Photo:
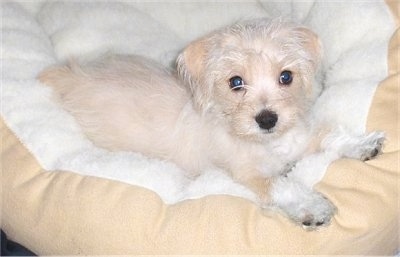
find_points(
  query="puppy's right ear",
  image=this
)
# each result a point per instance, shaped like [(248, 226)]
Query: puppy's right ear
[(191, 60), (191, 65)]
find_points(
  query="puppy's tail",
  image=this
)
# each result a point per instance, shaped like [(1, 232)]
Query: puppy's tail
[(61, 78)]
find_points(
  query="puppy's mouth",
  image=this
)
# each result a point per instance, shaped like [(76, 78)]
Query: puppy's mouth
[(268, 131), (261, 135)]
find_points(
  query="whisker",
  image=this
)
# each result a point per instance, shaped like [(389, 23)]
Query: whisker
[(237, 87)]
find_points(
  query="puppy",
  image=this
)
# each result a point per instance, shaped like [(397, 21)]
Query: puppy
[(241, 100)]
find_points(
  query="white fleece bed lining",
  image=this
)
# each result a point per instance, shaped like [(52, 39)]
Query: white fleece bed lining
[(355, 36)]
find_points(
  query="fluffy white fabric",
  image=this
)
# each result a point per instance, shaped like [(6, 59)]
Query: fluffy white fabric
[(37, 34)]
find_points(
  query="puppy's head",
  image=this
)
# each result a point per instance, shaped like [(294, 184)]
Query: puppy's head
[(256, 76)]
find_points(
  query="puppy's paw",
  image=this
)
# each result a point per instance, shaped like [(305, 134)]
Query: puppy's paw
[(367, 146), (372, 145), (361, 147), (316, 212), (304, 206)]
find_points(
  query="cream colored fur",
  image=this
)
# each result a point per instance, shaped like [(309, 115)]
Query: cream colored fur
[(194, 119)]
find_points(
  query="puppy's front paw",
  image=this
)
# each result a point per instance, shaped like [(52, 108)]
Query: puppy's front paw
[(304, 206), (372, 145), (362, 147), (318, 211), (365, 147)]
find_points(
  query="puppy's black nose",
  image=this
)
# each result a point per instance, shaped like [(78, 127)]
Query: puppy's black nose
[(266, 119)]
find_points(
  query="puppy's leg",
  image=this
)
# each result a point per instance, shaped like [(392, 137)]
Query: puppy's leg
[(261, 186), (362, 147), (335, 144), (310, 169), (294, 193), (302, 204)]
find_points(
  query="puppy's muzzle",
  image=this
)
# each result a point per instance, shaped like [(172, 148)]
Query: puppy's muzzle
[(266, 119)]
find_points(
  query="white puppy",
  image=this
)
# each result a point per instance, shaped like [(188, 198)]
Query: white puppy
[(240, 101)]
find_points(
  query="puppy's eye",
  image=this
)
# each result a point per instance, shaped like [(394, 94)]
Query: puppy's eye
[(236, 83), (286, 77)]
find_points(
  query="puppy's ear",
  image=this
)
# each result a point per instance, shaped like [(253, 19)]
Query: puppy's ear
[(311, 52), (191, 65), (312, 45), (191, 60)]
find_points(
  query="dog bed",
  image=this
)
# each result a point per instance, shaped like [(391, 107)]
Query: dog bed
[(62, 195)]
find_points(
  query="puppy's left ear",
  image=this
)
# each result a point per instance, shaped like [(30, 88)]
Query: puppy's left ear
[(311, 51), (312, 45), (191, 65)]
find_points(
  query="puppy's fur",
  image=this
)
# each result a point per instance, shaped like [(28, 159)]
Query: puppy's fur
[(257, 132)]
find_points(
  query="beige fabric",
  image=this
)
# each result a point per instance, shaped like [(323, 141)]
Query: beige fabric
[(65, 213)]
